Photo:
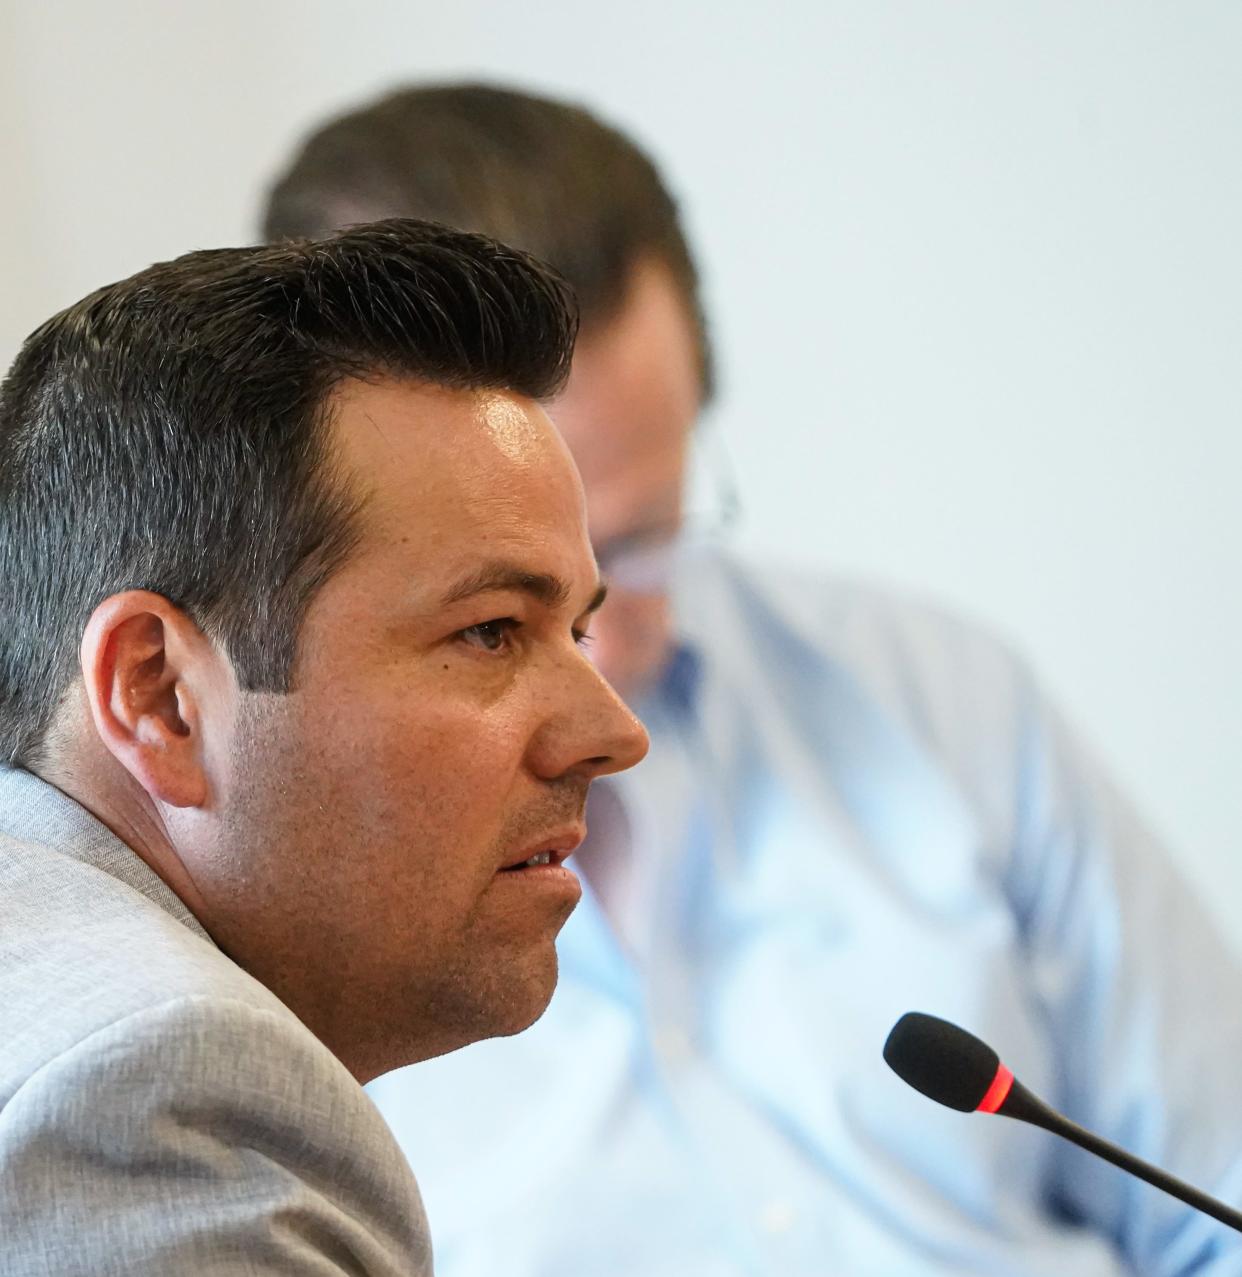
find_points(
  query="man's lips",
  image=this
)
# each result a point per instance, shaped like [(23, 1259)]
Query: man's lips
[(552, 850)]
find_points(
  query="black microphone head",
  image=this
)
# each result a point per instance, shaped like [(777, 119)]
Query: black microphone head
[(945, 1063)]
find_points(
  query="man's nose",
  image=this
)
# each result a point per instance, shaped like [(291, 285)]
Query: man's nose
[(629, 740), (594, 733)]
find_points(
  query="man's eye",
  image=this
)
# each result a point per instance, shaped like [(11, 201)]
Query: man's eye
[(583, 639), (491, 636)]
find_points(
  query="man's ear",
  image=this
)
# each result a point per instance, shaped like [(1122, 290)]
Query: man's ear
[(147, 670)]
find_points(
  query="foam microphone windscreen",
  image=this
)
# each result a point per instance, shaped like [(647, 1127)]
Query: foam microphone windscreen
[(944, 1062)]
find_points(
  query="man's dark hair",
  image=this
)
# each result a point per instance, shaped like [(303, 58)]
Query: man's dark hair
[(543, 175), (169, 433)]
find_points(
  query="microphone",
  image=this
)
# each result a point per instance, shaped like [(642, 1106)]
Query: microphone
[(955, 1068)]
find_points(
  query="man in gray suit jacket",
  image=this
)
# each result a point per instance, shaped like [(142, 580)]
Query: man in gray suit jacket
[(296, 731)]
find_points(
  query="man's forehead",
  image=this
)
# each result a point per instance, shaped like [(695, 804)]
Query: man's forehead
[(429, 457), (391, 416), (465, 491)]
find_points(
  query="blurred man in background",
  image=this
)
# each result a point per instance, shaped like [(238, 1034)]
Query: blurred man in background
[(854, 806)]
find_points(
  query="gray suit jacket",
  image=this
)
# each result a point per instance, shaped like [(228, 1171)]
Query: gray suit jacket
[(160, 1111)]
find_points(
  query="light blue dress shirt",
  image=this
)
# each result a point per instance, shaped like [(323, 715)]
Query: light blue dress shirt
[(854, 806)]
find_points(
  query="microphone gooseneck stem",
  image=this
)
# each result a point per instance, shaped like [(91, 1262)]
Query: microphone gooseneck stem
[(1025, 1107)]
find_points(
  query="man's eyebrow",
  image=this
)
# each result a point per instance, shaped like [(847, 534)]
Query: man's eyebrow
[(550, 590)]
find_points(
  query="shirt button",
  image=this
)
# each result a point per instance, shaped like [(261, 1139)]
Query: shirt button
[(777, 1217)]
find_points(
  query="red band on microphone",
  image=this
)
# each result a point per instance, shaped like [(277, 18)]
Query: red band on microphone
[(998, 1092)]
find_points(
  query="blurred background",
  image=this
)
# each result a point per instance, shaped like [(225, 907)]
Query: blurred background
[(975, 272)]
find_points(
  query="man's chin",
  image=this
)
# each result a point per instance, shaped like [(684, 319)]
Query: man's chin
[(528, 1006), (502, 1009)]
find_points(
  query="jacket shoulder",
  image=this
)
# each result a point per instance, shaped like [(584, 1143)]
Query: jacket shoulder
[(273, 1156), (81, 950), (162, 1111)]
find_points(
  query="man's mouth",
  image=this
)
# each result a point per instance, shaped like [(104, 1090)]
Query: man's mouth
[(551, 851)]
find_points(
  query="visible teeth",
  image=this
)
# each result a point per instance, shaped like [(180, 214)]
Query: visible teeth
[(539, 858)]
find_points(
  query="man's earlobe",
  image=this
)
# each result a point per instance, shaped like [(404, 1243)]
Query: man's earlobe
[(141, 669)]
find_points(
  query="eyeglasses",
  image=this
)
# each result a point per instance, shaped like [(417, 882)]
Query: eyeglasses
[(644, 563)]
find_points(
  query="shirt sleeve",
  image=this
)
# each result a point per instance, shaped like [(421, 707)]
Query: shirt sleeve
[(206, 1136), (1142, 998)]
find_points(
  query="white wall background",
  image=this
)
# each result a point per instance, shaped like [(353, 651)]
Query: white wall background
[(976, 270)]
